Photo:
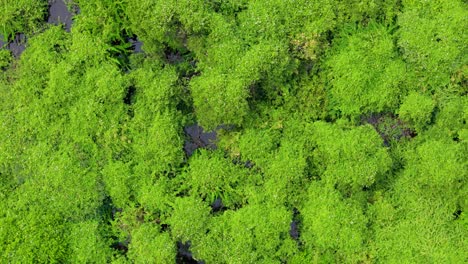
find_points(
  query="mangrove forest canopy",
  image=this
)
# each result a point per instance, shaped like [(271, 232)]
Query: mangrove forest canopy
[(234, 131)]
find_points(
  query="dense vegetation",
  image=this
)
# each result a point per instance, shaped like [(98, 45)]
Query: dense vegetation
[(342, 132)]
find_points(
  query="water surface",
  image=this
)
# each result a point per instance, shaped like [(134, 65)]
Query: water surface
[(59, 14)]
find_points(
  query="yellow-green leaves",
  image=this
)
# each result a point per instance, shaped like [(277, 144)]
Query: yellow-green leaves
[(439, 164), (23, 16), (417, 110), (154, 128), (189, 219), (149, 245), (424, 207), (433, 38), (341, 132), (350, 159), (366, 74), (152, 22), (158, 146), (334, 224), (87, 243), (257, 233), (5, 59), (212, 176)]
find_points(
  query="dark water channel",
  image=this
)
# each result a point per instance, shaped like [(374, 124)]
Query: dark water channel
[(184, 255), (136, 44), (16, 46), (198, 138), (59, 14), (389, 127)]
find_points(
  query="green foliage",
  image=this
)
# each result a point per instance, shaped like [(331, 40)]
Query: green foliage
[(105, 18), (253, 234), (158, 146), (417, 110), (433, 39), (156, 89), (423, 208), (5, 59), (189, 218), (310, 100), (151, 21), (357, 90), (428, 171), (149, 245), (43, 206), (87, 243), (257, 145), (350, 159), (286, 172), (334, 224), (211, 176), (23, 16), (157, 196), (452, 117), (41, 56), (314, 105), (118, 180), (225, 96)]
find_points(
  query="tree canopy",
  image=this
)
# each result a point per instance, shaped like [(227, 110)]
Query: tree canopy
[(234, 131)]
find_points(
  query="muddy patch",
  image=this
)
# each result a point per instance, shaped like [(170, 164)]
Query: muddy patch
[(136, 44), (248, 164), (389, 127), (294, 230), (121, 247), (59, 14), (173, 56), (16, 46), (129, 97), (457, 214), (184, 255), (217, 206), (198, 138)]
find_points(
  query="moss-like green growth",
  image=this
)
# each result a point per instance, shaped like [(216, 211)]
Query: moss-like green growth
[(334, 132), (23, 16)]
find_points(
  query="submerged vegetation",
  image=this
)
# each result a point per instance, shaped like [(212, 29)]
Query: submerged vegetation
[(338, 132)]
